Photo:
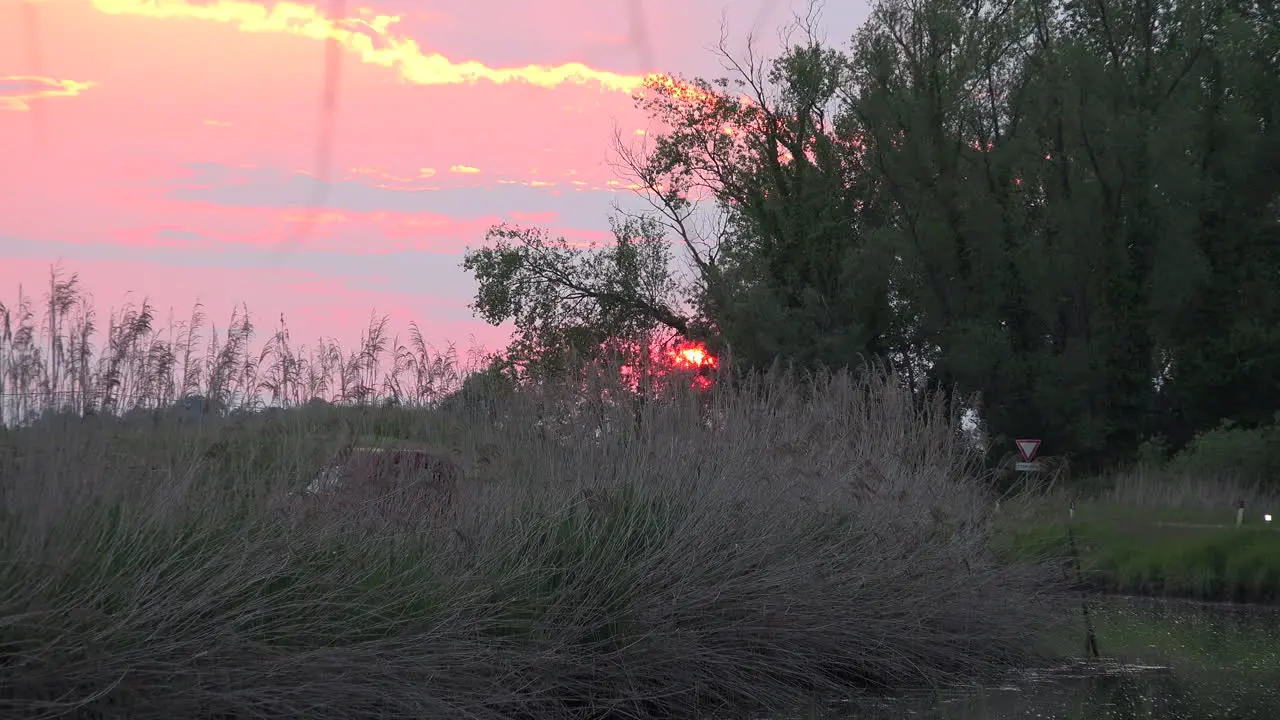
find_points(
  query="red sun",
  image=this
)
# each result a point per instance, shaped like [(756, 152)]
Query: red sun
[(692, 356), (686, 361)]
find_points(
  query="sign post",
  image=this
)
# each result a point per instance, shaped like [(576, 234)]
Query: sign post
[(1027, 450)]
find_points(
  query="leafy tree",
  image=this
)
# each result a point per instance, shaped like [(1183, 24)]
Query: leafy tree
[(1047, 168), (1221, 353), (575, 302), (791, 271), (483, 389)]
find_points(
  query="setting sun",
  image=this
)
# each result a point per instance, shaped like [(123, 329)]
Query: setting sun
[(693, 356)]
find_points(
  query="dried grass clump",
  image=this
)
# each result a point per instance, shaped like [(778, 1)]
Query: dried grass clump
[(827, 538), (379, 486)]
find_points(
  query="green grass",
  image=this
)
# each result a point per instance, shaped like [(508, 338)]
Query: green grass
[(1187, 551)]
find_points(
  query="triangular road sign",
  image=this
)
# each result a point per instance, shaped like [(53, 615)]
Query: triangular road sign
[(1027, 449)]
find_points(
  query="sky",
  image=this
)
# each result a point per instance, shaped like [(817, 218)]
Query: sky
[(168, 149)]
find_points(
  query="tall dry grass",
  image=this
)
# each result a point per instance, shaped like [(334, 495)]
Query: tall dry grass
[(1150, 487), (824, 537), (56, 356)]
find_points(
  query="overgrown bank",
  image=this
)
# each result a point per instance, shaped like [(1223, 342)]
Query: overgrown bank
[(1162, 541), (818, 541)]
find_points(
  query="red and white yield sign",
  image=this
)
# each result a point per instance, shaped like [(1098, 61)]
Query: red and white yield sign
[(1027, 449)]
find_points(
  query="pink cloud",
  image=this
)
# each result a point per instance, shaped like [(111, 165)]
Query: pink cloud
[(538, 218), (314, 306), (171, 225), (164, 88)]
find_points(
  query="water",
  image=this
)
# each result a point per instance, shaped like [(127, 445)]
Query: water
[(1164, 660)]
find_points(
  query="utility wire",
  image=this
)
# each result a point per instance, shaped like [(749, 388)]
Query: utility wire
[(640, 35), (31, 37), (323, 157)]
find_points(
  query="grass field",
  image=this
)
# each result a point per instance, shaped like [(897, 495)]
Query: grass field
[(819, 540)]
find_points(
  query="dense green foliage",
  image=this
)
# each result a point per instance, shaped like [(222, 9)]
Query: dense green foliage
[(1252, 453), (1068, 208)]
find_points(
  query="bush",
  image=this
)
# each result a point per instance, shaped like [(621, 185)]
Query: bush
[(1251, 454), (811, 544)]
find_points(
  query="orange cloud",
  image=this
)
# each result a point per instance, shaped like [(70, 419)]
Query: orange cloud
[(535, 218), (464, 170), (370, 37), (686, 92), (385, 179), (17, 90)]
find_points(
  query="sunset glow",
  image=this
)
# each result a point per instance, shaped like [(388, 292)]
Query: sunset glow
[(370, 37), (693, 357), (170, 149)]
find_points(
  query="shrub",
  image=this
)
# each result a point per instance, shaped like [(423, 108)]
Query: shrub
[(1252, 454)]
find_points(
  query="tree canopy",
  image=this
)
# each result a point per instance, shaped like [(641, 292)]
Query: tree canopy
[(1068, 208)]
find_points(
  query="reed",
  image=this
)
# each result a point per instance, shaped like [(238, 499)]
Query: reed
[(825, 537), (58, 357)]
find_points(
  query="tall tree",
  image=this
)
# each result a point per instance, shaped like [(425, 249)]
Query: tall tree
[(792, 272), (1221, 350), (1047, 180)]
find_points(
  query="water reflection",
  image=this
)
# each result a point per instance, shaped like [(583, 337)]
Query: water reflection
[(1166, 661)]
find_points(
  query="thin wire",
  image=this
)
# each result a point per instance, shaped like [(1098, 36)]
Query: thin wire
[(323, 158), (31, 37), (766, 6), (640, 36)]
